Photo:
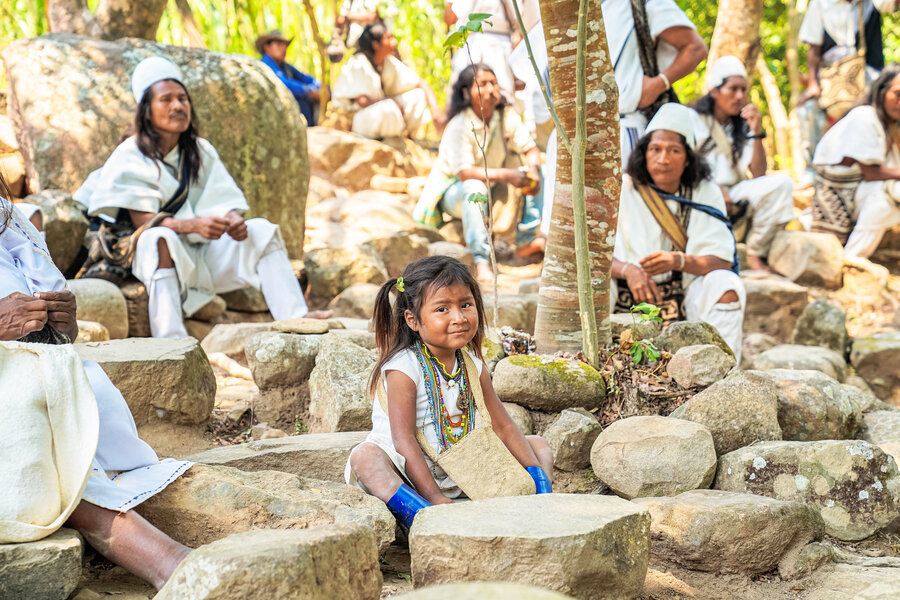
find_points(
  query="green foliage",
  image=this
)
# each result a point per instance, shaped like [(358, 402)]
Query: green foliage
[(458, 38), (647, 312), (477, 198), (644, 349)]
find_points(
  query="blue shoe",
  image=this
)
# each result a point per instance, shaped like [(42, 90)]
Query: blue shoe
[(405, 503), (541, 481)]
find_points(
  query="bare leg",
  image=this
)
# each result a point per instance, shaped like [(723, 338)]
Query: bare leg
[(543, 452), (758, 263), (375, 471), (130, 541), (165, 259)]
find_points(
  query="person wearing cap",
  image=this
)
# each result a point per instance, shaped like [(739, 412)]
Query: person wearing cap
[(730, 136), (206, 247), (674, 246), (273, 46)]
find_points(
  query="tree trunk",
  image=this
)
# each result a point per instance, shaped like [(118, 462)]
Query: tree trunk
[(189, 23), (737, 32), (72, 16), (114, 19), (777, 111), (558, 323)]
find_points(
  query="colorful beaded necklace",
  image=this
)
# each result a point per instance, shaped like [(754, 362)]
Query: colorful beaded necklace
[(447, 430)]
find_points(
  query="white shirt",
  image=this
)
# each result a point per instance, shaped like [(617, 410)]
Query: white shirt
[(839, 18), (25, 263), (723, 173), (860, 136), (358, 77)]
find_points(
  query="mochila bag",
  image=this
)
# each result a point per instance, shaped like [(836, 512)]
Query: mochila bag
[(844, 81), (834, 201), (480, 463)]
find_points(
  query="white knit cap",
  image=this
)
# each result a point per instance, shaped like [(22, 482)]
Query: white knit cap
[(674, 117), (151, 70), (722, 69)]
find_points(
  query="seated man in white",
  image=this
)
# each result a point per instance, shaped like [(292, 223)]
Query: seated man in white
[(206, 247), (674, 246), (730, 136)]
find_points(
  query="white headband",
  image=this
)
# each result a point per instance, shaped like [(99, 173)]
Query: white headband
[(674, 117), (722, 69), (151, 70)]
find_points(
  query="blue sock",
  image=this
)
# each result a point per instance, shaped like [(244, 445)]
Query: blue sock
[(405, 503), (541, 481)]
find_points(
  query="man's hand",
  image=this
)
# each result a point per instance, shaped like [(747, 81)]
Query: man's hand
[(61, 311), (211, 228), (237, 227), (642, 287), (364, 101), (753, 117), (21, 314), (651, 89), (659, 262), (517, 178)]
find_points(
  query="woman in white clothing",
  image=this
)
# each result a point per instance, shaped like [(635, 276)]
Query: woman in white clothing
[(858, 169), (674, 247)]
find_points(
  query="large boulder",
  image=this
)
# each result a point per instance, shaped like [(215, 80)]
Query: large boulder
[(317, 455), (64, 225), (481, 591), (739, 410), (690, 333), (513, 310), (350, 160), (458, 251), (640, 330), (246, 299), (815, 259), (230, 339), (48, 569), (335, 561), (210, 502), (586, 546), (101, 301), (281, 360), (774, 304), (70, 101), (356, 301), (397, 250), (881, 426), (338, 387), (802, 358), (854, 485), (753, 345), (332, 270), (161, 379), (547, 383), (654, 456), (822, 324), (570, 438), (877, 360), (728, 532), (699, 366), (813, 406)]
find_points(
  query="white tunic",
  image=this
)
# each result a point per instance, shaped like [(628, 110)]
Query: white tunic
[(838, 18)]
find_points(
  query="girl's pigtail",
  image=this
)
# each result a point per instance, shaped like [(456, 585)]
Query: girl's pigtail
[(385, 326)]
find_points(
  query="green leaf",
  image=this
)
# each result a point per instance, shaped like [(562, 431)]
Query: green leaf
[(477, 21), (457, 38), (638, 353), (477, 198)]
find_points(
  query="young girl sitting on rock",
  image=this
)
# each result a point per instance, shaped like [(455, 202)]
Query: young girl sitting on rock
[(429, 375)]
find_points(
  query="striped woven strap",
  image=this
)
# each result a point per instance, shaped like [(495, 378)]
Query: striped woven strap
[(667, 220)]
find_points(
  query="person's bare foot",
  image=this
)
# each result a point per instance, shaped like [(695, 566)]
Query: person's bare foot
[(483, 272), (319, 314), (538, 244), (758, 263)]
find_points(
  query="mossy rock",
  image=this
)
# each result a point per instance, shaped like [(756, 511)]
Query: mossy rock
[(547, 383), (690, 333)]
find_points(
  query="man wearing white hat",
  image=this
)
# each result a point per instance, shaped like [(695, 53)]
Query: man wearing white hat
[(730, 136), (674, 246), (205, 246)]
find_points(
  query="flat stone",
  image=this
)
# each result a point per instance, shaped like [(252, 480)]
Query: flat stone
[(699, 366), (91, 331), (859, 583), (302, 326), (482, 591), (101, 301), (357, 301), (161, 379), (690, 333), (318, 455), (570, 438), (802, 358), (753, 345), (48, 569), (654, 456), (281, 360), (728, 532), (774, 304), (640, 330), (877, 360), (815, 259), (360, 337), (881, 426), (335, 561), (589, 547), (338, 387), (208, 503), (853, 484), (246, 299), (230, 339), (739, 410), (549, 384), (521, 417), (822, 324)]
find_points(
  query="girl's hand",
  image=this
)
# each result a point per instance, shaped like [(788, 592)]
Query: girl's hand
[(642, 287), (439, 499)]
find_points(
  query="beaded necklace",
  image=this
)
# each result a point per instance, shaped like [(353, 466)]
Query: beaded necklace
[(447, 430)]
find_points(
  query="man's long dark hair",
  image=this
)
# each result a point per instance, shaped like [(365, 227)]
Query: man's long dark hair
[(371, 34), (696, 168), (877, 91), (460, 100), (148, 140), (740, 129)]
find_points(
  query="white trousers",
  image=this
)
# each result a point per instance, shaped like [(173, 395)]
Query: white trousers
[(385, 119), (772, 201), (877, 211)]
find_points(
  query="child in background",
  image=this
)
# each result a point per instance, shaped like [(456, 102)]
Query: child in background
[(438, 315)]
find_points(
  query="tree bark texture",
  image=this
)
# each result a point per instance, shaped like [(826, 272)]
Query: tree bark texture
[(558, 324), (737, 32), (114, 18)]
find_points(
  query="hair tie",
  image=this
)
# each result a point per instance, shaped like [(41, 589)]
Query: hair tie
[(400, 287)]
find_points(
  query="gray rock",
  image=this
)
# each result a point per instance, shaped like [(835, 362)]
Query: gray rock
[(514, 310), (397, 250), (336, 561), (531, 285), (356, 301), (727, 532), (859, 583), (332, 270), (877, 360), (654, 456), (699, 366), (800, 562), (881, 426), (458, 251), (360, 337), (854, 485), (806, 258), (690, 333), (549, 384), (339, 399), (246, 299), (101, 301), (281, 360), (774, 304), (640, 330), (317, 455), (753, 345), (48, 569), (481, 591), (570, 437), (213, 309), (802, 358), (161, 379), (521, 417), (739, 410), (865, 400), (823, 324), (64, 225), (590, 547), (230, 339)]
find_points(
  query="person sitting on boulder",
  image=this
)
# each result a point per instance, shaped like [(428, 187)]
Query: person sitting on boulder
[(432, 391), (730, 136), (32, 213), (204, 246), (381, 96), (857, 185), (674, 247), (273, 47), (478, 113), (121, 473)]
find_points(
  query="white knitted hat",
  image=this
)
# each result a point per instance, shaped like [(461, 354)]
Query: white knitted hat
[(674, 117), (722, 69), (151, 70)]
